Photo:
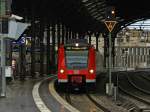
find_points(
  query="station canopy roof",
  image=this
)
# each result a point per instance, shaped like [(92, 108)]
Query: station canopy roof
[(82, 15)]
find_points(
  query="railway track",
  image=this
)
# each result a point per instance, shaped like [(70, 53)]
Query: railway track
[(97, 104), (140, 81), (67, 96), (87, 102), (137, 82), (130, 88), (146, 77), (84, 102)]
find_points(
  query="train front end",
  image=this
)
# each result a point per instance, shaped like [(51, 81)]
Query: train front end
[(76, 64)]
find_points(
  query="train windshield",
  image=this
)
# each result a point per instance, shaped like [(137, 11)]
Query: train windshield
[(77, 59)]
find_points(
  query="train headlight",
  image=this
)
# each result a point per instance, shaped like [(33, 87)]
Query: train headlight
[(61, 71), (91, 71)]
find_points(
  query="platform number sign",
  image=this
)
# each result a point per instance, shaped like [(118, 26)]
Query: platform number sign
[(23, 40), (110, 25)]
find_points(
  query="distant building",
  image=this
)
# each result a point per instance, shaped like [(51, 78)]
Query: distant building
[(132, 48)]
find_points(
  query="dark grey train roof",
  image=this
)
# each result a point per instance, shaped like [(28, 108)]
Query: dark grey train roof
[(83, 41)]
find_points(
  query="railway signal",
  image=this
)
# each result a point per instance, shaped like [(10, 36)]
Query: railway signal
[(110, 24)]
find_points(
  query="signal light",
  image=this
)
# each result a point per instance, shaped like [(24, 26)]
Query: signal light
[(110, 13)]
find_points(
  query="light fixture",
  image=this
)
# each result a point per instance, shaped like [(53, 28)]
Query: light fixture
[(16, 17), (113, 12), (77, 44)]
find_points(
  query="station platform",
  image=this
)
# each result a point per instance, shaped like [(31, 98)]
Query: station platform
[(19, 97)]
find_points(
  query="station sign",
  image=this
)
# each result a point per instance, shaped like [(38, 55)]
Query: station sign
[(16, 29), (23, 40), (20, 41), (110, 25)]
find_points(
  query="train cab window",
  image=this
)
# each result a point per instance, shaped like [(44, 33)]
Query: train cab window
[(76, 59)]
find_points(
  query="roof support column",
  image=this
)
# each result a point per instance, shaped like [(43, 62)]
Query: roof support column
[(63, 33), (80, 36), (89, 39), (22, 55), (3, 13), (106, 46), (2, 68), (67, 35), (41, 34), (113, 51), (97, 35), (33, 47), (58, 34), (48, 48), (53, 47), (71, 34), (77, 35), (89, 34), (2, 8), (74, 35), (8, 52)]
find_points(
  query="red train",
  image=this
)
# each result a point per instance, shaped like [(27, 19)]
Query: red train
[(76, 63)]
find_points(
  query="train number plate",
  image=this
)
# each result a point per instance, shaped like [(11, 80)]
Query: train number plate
[(76, 79)]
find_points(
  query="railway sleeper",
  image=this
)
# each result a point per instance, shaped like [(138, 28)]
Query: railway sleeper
[(145, 109), (133, 109), (130, 107)]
